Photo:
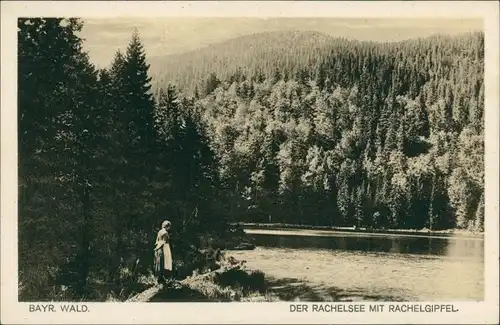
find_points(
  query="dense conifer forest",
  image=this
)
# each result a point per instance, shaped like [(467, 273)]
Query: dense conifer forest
[(322, 132)]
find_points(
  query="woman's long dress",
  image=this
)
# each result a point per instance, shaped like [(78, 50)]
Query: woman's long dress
[(163, 255)]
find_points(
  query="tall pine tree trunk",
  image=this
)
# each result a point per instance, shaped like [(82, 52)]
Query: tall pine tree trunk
[(118, 251), (84, 263)]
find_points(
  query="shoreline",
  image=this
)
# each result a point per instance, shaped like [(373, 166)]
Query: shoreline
[(235, 281), (232, 282), (449, 233)]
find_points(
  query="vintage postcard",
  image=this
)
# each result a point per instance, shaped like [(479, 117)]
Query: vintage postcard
[(249, 162)]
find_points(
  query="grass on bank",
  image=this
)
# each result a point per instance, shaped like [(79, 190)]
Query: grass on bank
[(134, 275), (232, 281)]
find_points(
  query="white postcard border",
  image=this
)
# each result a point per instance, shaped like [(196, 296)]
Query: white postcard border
[(13, 312)]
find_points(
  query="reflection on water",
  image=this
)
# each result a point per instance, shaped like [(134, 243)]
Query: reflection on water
[(366, 266), (450, 247)]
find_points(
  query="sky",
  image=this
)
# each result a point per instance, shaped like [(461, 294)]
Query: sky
[(169, 35)]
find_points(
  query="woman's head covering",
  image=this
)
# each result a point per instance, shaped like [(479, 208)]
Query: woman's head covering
[(165, 224)]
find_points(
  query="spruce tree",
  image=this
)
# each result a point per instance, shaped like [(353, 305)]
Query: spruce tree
[(60, 127), (134, 113)]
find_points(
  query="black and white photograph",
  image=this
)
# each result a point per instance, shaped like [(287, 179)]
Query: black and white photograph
[(238, 159)]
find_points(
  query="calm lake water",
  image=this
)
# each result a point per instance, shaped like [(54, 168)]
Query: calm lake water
[(325, 265)]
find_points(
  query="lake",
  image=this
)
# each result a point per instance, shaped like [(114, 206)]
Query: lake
[(309, 265)]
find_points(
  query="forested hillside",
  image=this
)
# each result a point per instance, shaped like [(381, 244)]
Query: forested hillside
[(303, 129), (376, 135)]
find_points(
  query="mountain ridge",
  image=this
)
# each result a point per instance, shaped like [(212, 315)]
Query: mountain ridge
[(247, 36), (313, 32), (262, 52), (258, 51)]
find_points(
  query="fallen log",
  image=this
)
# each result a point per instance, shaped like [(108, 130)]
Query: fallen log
[(149, 293), (243, 247)]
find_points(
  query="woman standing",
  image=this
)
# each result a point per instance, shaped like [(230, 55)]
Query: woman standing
[(163, 255)]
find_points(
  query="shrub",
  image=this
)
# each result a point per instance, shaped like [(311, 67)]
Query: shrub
[(248, 281)]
